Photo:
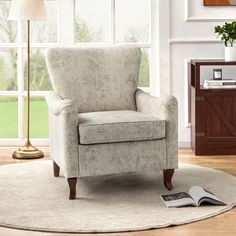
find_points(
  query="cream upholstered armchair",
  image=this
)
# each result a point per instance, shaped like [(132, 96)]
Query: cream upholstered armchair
[(100, 123)]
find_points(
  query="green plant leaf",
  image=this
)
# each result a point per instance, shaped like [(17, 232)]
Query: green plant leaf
[(227, 32)]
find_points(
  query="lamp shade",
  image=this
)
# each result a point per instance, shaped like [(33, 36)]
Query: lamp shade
[(33, 10)]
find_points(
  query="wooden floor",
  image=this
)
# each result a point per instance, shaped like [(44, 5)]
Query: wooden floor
[(222, 225)]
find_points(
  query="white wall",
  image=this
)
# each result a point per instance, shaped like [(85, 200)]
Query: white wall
[(191, 36)]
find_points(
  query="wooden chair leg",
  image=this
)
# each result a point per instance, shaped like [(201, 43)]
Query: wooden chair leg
[(72, 186), (168, 177), (56, 169)]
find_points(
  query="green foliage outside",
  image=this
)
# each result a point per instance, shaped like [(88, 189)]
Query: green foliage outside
[(8, 58), (144, 73), (39, 77), (9, 121), (3, 74), (135, 36), (8, 117), (84, 34), (39, 118)]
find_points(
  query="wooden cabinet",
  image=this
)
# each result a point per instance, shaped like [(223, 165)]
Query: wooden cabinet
[(213, 113)]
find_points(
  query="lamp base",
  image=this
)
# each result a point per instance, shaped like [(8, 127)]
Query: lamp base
[(28, 152)]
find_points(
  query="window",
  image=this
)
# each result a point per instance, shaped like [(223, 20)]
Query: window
[(116, 22), (92, 21), (13, 73), (70, 23)]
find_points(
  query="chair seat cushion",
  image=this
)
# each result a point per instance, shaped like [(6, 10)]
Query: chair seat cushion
[(118, 126)]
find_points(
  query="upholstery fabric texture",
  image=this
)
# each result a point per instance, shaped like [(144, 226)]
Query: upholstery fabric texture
[(166, 108), (63, 121), (96, 79), (119, 126), (100, 159), (99, 122)]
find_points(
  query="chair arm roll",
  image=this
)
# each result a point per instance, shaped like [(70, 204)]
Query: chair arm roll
[(58, 105)]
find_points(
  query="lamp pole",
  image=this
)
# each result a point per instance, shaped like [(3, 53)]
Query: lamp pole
[(28, 81), (28, 10)]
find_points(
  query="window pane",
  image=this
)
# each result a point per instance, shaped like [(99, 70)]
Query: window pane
[(39, 77), (38, 117), (144, 75), (44, 31), (8, 117), (92, 20), (7, 28), (132, 20), (8, 69)]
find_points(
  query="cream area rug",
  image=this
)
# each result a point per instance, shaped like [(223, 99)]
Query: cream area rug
[(31, 198)]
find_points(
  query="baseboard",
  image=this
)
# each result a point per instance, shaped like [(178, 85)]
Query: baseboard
[(184, 144)]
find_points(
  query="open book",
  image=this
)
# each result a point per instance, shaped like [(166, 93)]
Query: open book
[(195, 197)]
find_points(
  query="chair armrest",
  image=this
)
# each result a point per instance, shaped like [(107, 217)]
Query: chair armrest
[(165, 108), (57, 105), (63, 122)]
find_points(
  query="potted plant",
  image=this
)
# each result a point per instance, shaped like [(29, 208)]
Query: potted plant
[(227, 32)]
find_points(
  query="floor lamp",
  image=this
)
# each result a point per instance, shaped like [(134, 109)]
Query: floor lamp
[(28, 10)]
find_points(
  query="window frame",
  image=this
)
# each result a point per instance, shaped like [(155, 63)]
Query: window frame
[(66, 38), (21, 46), (146, 45)]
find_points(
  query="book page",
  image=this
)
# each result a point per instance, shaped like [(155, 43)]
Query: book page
[(197, 193), (178, 200)]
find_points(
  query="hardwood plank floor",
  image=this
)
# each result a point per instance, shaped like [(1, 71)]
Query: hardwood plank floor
[(220, 225)]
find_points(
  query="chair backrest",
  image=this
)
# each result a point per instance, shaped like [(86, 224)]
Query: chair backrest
[(96, 79)]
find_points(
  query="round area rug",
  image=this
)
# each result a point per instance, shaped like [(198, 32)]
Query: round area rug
[(31, 198)]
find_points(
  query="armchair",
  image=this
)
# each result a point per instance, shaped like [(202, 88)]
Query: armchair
[(100, 123)]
